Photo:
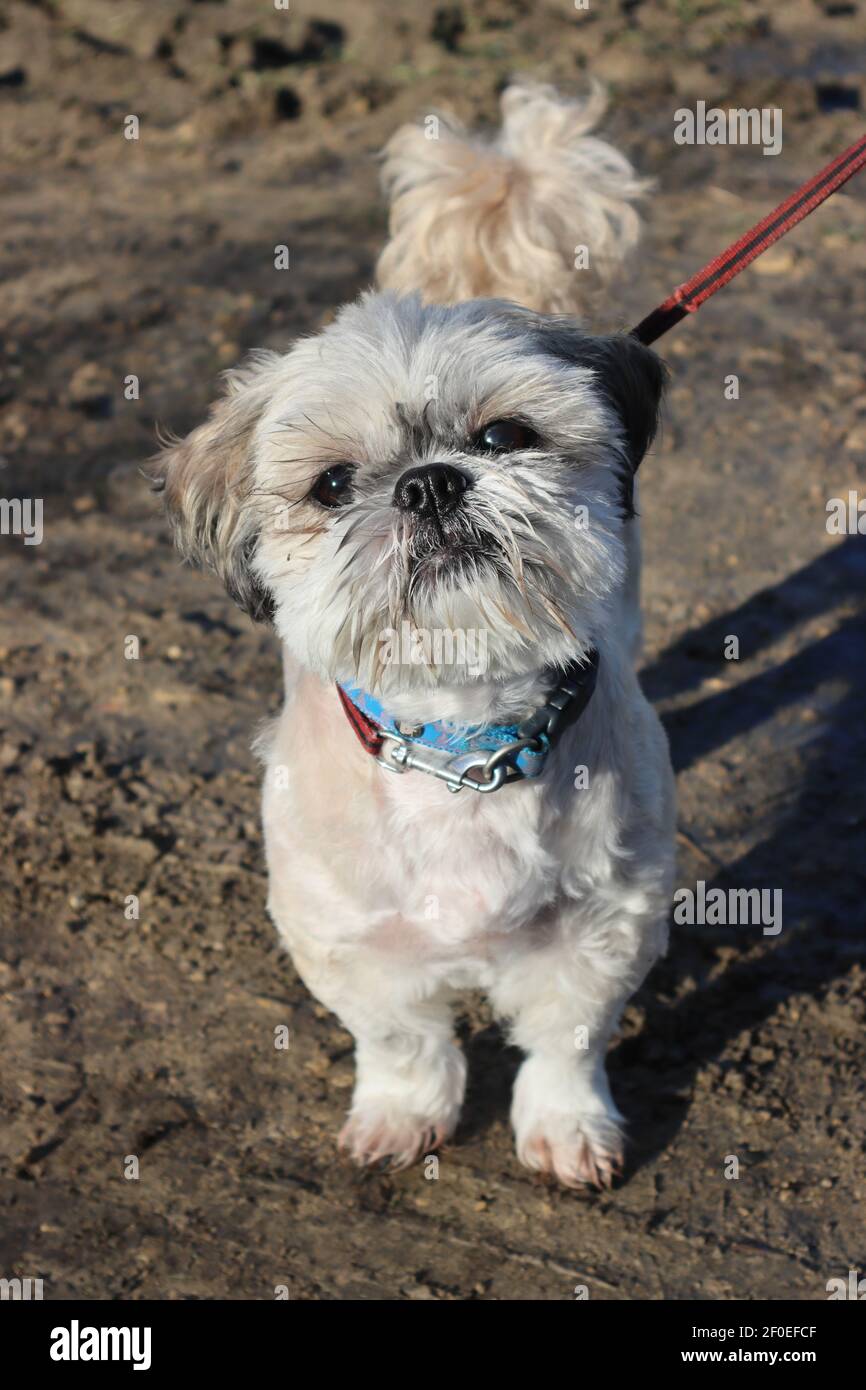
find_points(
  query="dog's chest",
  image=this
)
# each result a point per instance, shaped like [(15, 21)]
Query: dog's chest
[(358, 854), (465, 868)]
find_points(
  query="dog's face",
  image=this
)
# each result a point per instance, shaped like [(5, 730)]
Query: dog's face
[(461, 470)]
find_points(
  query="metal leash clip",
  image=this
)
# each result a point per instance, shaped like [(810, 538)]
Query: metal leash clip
[(494, 768)]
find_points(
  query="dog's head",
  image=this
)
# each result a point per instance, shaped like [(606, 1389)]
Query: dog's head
[(451, 470)]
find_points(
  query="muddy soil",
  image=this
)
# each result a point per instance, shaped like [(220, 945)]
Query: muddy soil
[(153, 1036)]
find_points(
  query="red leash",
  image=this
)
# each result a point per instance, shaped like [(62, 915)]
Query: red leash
[(688, 298)]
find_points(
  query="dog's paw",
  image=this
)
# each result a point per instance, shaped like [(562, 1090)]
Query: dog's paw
[(577, 1150), (401, 1112), (383, 1136), (566, 1124)]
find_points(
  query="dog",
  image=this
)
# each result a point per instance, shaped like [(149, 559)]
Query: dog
[(455, 454)]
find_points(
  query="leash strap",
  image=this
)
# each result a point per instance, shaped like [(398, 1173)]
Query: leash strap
[(688, 298)]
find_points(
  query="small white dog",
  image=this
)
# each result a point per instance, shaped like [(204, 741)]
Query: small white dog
[(453, 459)]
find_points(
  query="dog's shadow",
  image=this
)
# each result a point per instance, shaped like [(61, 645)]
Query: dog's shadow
[(814, 850)]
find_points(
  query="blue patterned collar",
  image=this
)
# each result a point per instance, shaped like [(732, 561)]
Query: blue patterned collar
[(482, 756)]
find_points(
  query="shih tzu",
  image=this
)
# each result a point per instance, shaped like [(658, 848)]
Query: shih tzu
[(432, 502)]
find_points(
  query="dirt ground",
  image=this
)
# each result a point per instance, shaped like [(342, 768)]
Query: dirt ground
[(155, 1037)]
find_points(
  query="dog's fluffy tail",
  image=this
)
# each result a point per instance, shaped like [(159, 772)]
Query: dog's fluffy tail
[(535, 214)]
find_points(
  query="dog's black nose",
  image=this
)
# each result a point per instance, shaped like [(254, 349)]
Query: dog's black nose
[(431, 491)]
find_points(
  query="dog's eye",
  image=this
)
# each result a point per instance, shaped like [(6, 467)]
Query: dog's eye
[(504, 436), (333, 488)]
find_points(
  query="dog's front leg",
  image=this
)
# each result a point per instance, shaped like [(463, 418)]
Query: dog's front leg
[(564, 1000), (410, 1074), (408, 1093)]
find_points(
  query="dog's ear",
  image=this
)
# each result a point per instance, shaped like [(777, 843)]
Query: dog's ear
[(207, 484), (631, 379)]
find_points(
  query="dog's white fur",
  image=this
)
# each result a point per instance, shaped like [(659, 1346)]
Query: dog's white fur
[(505, 217), (391, 893)]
